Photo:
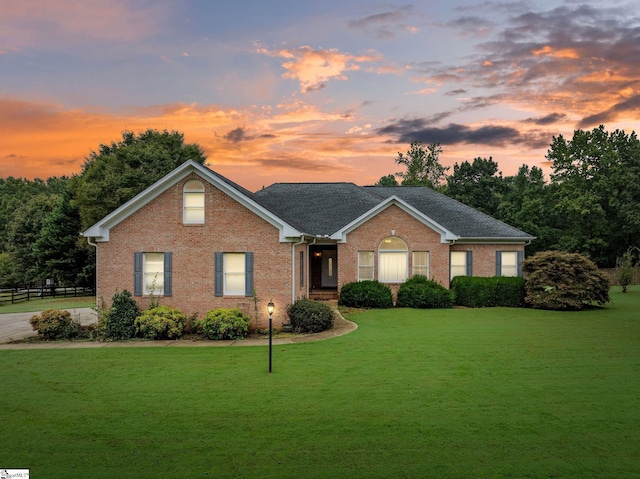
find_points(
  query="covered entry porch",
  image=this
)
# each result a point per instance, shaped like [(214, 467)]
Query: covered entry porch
[(323, 272)]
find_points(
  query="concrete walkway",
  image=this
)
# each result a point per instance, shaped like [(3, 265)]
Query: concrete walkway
[(15, 326)]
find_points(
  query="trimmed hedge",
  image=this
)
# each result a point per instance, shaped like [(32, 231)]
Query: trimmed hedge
[(366, 294), (162, 322), (309, 316), (420, 292), (225, 323), (477, 292)]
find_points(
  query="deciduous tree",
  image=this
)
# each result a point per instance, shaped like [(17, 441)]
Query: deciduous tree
[(423, 166), (597, 175), (117, 172)]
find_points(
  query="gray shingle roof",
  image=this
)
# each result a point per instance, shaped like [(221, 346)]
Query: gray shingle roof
[(316, 208), (323, 208)]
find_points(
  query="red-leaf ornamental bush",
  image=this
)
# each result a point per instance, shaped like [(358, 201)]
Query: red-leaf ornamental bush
[(54, 324), (564, 281)]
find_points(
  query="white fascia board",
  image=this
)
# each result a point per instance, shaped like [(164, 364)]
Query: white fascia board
[(100, 231), (496, 240), (446, 236)]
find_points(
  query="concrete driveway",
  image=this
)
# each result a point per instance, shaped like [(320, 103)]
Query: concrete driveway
[(14, 326)]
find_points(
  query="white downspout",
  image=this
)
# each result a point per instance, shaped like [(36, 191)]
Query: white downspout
[(293, 268), (90, 243)]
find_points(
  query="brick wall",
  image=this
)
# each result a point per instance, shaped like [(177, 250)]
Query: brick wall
[(484, 255), (229, 227), (395, 221), (367, 237)]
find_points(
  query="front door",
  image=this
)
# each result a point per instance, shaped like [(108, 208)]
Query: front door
[(330, 269)]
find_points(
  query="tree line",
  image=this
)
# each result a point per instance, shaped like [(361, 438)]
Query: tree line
[(589, 205), (41, 220)]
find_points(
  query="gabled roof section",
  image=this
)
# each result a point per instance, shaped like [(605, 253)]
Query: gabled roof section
[(467, 223), (333, 209), (100, 231), (445, 234)]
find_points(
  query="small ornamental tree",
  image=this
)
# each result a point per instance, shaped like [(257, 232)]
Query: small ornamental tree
[(624, 270), (564, 281)]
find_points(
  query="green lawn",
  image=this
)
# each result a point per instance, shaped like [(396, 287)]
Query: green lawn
[(463, 393), (48, 303)]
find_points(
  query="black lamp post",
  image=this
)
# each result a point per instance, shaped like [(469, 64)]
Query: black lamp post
[(270, 307)]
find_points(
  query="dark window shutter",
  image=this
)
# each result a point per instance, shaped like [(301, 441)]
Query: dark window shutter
[(248, 274), (498, 263), (137, 274), (218, 265), (469, 263), (520, 260), (168, 259)]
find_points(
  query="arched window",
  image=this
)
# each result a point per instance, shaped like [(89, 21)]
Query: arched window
[(393, 260), (193, 202)]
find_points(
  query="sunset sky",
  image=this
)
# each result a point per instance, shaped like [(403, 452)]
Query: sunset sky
[(296, 90)]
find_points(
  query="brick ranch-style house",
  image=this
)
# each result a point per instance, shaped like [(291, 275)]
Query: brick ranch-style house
[(198, 241)]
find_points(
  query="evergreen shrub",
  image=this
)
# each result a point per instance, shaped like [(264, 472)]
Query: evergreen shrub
[(366, 294), (420, 292), (225, 323), (477, 292), (119, 322), (307, 316), (161, 322)]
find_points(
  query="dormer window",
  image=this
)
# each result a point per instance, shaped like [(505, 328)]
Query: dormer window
[(193, 202)]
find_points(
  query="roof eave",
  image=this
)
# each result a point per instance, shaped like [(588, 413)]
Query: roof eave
[(100, 231), (446, 236)]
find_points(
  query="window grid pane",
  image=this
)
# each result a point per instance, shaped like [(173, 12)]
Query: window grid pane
[(234, 277), (421, 263), (458, 263), (509, 263), (193, 202), (153, 273), (365, 265)]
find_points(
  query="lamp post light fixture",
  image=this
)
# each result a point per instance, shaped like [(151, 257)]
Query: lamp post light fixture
[(270, 308)]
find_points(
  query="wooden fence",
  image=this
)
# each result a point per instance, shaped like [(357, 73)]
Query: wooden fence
[(11, 296)]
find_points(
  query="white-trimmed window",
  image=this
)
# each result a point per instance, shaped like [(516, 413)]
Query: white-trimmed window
[(461, 263), (420, 262), (233, 274), (234, 279), (153, 273), (365, 265), (193, 202), (393, 260), (508, 263)]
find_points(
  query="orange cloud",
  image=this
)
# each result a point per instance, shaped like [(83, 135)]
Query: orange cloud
[(291, 144), (556, 52), (313, 68)]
